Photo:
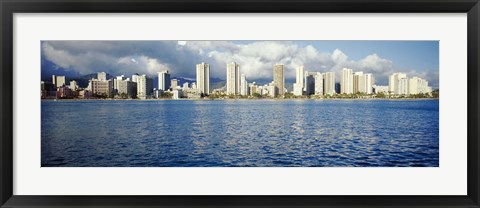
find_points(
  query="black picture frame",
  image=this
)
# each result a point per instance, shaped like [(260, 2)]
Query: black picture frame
[(9, 7)]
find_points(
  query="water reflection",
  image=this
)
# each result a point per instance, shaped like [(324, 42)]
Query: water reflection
[(258, 133)]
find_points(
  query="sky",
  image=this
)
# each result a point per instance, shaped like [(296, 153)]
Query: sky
[(256, 58)]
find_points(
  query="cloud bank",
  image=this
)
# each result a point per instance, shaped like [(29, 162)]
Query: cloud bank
[(256, 58)]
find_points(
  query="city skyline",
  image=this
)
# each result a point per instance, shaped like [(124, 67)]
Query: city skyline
[(308, 83), (381, 58)]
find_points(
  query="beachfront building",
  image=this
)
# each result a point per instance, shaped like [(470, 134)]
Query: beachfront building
[(418, 85), (299, 85), (318, 83), (310, 83), (346, 82), (126, 88), (144, 86), (233, 78), (364, 84), (252, 88), (164, 82), (203, 78), (271, 90), (101, 86), (115, 82), (279, 78), (329, 83), (396, 86), (356, 79), (380, 89), (243, 85)]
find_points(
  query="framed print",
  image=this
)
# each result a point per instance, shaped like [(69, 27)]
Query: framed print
[(246, 104)]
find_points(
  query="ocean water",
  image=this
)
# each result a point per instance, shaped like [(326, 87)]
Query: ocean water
[(240, 133)]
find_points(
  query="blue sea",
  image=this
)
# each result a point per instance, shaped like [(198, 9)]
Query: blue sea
[(240, 133)]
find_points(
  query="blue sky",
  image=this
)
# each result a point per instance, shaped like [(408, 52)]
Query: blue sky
[(256, 58)]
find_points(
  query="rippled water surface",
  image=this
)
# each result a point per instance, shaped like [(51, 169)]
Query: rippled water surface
[(260, 133)]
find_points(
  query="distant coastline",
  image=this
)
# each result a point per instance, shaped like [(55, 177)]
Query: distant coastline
[(213, 99)]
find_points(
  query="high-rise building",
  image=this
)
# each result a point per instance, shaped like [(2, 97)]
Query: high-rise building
[(300, 73), (279, 78), (58, 81), (164, 82), (144, 86), (185, 86), (368, 86), (115, 83), (418, 85), (356, 79), (203, 78), (233, 78), (272, 90), (297, 89), (299, 85), (346, 83), (127, 88), (243, 85), (101, 87), (363, 83), (403, 86), (318, 83), (329, 83), (394, 83), (309, 83), (253, 88)]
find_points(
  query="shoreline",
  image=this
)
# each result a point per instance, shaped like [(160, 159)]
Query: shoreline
[(237, 99)]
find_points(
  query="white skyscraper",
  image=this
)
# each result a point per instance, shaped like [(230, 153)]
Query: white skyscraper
[(299, 85), (164, 82), (203, 78), (403, 86), (418, 85), (365, 83), (243, 85), (318, 83), (233, 78), (346, 83), (394, 83), (144, 86), (356, 81), (329, 83)]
